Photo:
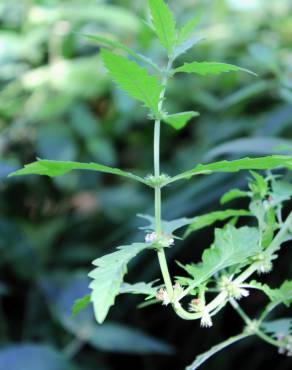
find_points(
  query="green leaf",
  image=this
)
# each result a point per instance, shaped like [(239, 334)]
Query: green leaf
[(233, 194), (209, 68), (133, 79), (59, 168), (283, 294), (80, 304), (261, 163), (281, 191), (164, 24), (219, 347), (168, 227), (231, 246), (108, 277), (278, 328), (186, 45), (117, 45), (179, 120), (139, 288), (259, 186), (188, 28), (208, 219)]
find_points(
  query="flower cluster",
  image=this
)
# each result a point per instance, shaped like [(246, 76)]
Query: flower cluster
[(163, 241), (233, 289), (199, 305), (163, 296), (265, 264), (157, 181), (286, 344)]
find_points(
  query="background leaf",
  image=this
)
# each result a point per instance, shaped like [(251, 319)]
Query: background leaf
[(33, 357), (111, 337)]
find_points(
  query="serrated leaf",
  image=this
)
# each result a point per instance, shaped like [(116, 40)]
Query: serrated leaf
[(212, 351), (164, 24), (188, 28), (208, 219), (108, 277), (209, 68), (260, 163), (283, 294), (117, 45), (179, 120), (59, 168), (233, 194), (133, 79), (80, 304), (278, 328), (231, 246)]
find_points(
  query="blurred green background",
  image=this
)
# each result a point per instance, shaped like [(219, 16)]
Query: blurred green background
[(56, 102)]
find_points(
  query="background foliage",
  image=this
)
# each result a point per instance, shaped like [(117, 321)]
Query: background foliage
[(56, 102)]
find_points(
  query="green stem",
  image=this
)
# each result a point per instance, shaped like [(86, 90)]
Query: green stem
[(157, 189), (270, 307), (240, 311), (255, 328), (267, 339), (165, 272)]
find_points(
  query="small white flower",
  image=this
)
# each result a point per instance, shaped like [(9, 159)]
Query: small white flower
[(285, 344), (206, 321), (162, 295), (241, 292), (178, 292), (150, 238), (166, 241), (233, 289), (196, 305)]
